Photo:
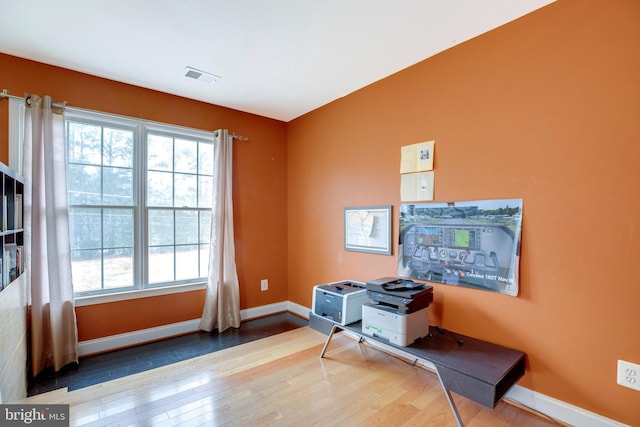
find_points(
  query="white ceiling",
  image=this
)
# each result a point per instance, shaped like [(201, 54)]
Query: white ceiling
[(276, 58)]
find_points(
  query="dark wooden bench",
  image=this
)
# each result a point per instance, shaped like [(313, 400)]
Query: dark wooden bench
[(476, 369)]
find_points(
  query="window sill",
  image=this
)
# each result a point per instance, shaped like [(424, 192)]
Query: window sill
[(145, 293)]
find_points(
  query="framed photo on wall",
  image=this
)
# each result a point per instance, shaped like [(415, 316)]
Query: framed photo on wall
[(368, 229)]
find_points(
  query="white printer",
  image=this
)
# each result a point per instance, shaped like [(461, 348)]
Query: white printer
[(340, 301), (400, 329)]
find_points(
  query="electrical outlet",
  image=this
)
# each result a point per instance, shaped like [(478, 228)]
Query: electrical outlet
[(629, 374), (264, 284)]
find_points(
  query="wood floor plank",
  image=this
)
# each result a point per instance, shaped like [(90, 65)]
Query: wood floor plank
[(281, 381)]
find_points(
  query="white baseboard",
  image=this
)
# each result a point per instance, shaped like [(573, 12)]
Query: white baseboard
[(554, 408), (558, 409), (298, 309), (278, 307), (263, 310)]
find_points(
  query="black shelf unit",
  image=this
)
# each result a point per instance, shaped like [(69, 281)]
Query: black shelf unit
[(12, 234)]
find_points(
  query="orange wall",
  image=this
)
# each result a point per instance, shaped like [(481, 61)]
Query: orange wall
[(103, 320), (546, 108), (260, 191)]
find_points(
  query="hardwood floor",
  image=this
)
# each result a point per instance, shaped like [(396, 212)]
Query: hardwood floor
[(281, 381), (116, 364)]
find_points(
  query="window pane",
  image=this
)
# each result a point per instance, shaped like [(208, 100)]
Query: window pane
[(186, 190), (205, 191), (84, 185), (161, 264), (186, 156), (85, 143), (118, 226), (159, 153), (118, 148), (118, 268), (118, 186), (159, 189), (205, 226), (85, 228), (205, 158), (187, 262), (186, 227), (86, 269), (160, 225), (204, 260)]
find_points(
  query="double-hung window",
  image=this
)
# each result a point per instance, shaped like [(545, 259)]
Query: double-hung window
[(140, 197)]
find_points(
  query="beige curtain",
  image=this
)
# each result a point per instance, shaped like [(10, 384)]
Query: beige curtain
[(222, 302), (54, 338)]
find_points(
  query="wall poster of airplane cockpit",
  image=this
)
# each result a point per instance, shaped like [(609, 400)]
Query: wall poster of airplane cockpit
[(474, 244)]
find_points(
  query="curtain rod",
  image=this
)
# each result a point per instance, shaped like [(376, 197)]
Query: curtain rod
[(5, 94), (239, 137), (27, 100)]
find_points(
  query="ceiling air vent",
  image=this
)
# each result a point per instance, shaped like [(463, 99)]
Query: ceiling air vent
[(203, 76)]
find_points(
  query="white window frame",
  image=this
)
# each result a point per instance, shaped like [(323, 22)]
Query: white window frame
[(141, 129)]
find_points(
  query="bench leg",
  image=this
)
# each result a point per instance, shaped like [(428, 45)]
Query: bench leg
[(452, 404), (326, 344), (450, 400)]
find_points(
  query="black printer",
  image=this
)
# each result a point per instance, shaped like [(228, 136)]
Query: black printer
[(404, 295)]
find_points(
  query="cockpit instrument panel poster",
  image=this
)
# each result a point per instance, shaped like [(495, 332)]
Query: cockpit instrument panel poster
[(474, 244)]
